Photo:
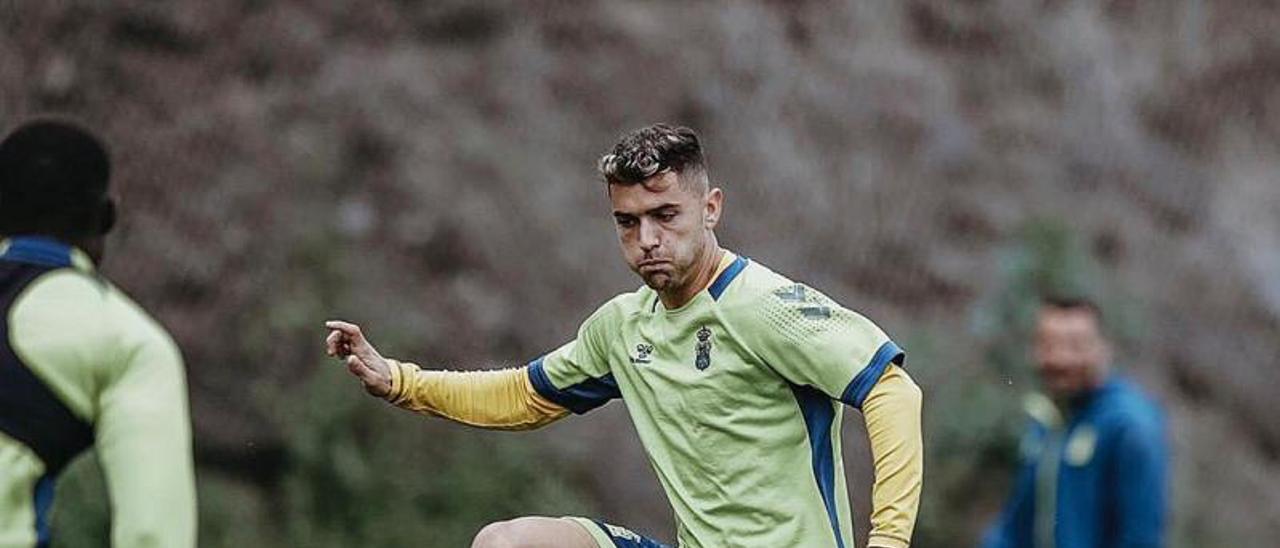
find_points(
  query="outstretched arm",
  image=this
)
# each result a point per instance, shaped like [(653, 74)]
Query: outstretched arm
[(501, 399), (892, 412)]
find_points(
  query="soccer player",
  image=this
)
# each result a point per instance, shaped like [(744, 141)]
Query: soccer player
[(1094, 458), (81, 365), (735, 378)]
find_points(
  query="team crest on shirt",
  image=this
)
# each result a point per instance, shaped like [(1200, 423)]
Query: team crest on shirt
[(703, 349), (1081, 445)]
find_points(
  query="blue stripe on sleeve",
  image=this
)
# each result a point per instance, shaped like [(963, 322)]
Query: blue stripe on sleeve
[(819, 412), (861, 385), (579, 398)]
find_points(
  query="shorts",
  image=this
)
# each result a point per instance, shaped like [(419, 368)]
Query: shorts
[(612, 536)]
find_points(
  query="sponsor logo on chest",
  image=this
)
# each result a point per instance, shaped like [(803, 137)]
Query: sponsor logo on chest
[(644, 353)]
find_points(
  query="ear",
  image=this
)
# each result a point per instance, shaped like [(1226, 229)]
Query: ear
[(1107, 352), (714, 207), (107, 216)]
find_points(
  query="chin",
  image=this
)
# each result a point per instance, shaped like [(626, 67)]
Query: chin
[(1065, 390), (657, 282)]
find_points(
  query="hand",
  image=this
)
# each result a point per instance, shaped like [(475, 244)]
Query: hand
[(345, 341)]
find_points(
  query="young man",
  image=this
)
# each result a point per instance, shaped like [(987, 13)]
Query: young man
[(734, 377), (1094, 457), (80, 364)]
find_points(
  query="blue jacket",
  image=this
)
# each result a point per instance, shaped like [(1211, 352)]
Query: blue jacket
[(1095, 478)]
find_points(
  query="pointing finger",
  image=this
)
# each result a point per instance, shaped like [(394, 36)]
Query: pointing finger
[(350, 329)]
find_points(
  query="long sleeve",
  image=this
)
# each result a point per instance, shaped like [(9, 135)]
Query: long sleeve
[(1141, 485), (892, 412), (502, 399), (144, 445)]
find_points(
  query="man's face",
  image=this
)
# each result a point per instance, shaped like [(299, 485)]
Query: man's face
[(1070, 351), (664, 227)]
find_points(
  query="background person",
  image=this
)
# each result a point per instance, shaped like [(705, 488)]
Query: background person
[(1094, 457), (81, 365)]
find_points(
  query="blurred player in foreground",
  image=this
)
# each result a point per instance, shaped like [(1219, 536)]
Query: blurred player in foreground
[(735, 378), (1094, 458), (80, 364)]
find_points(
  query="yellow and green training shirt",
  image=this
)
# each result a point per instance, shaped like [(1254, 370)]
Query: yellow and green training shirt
[(82, 366), (737, 397)]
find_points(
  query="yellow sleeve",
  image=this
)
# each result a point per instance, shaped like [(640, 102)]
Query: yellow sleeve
[(892, 412), (501, 399)]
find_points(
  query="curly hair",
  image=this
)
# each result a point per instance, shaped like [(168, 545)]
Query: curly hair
[(652, 150)]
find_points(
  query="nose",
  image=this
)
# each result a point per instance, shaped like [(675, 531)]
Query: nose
[(1052, 365), (650, 235), (1058, 361), (1049, 359)]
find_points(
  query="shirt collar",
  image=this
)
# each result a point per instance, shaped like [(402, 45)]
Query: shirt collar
[(726, 260), (44, 251)]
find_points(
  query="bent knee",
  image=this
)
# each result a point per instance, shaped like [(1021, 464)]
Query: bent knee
[(496, 535), (527, 532)]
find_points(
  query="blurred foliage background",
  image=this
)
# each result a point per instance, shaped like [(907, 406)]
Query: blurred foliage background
[(426, 169)]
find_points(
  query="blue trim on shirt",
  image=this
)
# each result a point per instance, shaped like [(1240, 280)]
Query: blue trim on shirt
[(819, 412), (579, 398), (856, 393), (43, 503), (725, 278), (38, 250), (634, 540)]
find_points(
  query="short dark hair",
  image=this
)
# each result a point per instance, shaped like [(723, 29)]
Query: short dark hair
[(53, 180), (651, 150), (1072, 302)]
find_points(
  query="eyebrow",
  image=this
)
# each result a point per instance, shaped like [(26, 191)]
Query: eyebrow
[(651, 211)]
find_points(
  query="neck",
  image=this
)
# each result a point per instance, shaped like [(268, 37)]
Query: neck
[(94, 247), (703, 271), (1100, 375), (1069, 401)]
